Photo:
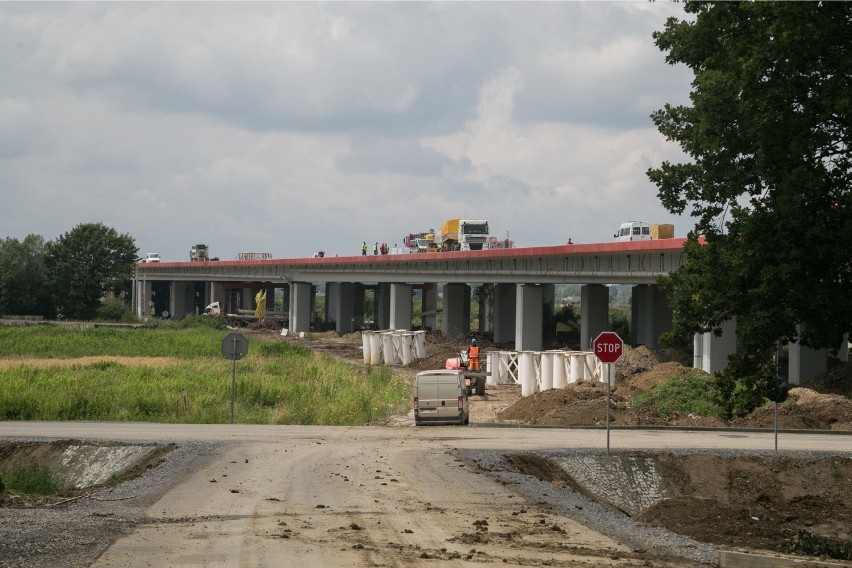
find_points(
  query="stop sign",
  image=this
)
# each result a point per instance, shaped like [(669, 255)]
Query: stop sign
[(608, 347)]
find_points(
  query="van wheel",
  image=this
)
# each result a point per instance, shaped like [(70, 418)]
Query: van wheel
[(466, 421), (480, 387)]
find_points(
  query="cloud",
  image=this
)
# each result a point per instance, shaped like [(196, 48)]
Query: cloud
[(290, 127)]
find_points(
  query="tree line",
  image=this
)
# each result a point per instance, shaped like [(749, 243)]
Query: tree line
[(67, 277)]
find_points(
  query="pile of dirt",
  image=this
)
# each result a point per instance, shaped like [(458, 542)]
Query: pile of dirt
[(758, 502)]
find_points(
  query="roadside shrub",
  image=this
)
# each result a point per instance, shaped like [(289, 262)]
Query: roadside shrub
[(692, 392), (809, 544), (114, 310), (31, 479), (202, 321)]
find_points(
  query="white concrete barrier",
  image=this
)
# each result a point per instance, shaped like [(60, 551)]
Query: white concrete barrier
[(407, 348), (420, 344), (560, 369), (527, 372), (365, 347), (546, 373), (576, 364), (375, 348), (388, 348)]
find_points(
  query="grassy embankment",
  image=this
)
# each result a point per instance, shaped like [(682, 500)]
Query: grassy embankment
[(276, 383)]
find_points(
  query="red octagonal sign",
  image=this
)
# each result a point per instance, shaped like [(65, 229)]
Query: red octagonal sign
[(608, 347)]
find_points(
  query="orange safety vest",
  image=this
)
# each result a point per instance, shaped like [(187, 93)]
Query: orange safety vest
[(473, 358)]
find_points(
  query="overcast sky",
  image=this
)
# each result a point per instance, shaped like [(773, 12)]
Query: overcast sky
[(293, 127)]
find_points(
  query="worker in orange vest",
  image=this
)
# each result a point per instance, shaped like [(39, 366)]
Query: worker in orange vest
[(473, 356)]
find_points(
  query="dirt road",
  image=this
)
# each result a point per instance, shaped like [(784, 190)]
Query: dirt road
[(318, 496)]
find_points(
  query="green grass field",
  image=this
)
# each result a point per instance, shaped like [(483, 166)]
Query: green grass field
[(276, 383)]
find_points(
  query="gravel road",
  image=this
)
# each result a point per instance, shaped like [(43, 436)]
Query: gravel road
[(316, 496)]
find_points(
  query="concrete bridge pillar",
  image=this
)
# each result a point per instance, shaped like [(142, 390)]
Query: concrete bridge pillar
[(456, 312), (805, 363), (301, 294), (651, 315), (358, 305), (400, 306), (180, 299), (332, 291), (528, 314), (142, 295), (382, 304), (343, 307), (711, 352), (594, 313), (429, 306), (504, 313)]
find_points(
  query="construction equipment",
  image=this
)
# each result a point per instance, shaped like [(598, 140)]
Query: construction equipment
[(198, 253), (463, 234), (474, 380)]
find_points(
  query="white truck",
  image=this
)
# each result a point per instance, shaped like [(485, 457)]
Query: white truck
[(641, 231), (464, 234)]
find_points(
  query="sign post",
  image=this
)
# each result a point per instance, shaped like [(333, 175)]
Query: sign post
[(608, 348), (234, 347)]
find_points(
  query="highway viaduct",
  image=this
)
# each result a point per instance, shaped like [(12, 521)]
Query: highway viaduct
[(515, 289)]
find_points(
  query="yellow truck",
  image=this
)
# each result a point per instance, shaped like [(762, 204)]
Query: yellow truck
[(463, 234)]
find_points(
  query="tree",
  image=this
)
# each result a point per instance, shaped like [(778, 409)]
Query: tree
[(86, 263), (23, 277), (768, 133)]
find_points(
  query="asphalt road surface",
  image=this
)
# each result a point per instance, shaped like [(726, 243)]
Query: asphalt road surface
[(374, 496)]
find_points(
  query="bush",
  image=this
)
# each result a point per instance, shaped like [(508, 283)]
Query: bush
[(115, 310), (692, 392), (31, 479)]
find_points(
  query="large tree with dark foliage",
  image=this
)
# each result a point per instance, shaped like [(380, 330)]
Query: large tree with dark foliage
[(86, 263), (23, 278), (768, 134)]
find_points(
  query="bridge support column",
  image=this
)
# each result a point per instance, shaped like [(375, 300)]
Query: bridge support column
[(456, 309), (710, 353), (548, 299), (485, 293), (142, 295), (343, 307), (358, 305), (429, 305), (400, 306), (805, 363), (594, 313), (332, 292), (300, 307), (651, 315), (180, 296), (528, 314), (504, 313), (382, 304)]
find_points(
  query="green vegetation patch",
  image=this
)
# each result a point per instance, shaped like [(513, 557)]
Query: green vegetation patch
[(276, 383), (691, 392), (30, 479)]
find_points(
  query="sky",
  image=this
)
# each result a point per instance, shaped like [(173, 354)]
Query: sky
[(292, 127)]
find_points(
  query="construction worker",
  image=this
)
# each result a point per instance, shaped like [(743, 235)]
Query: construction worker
[(473, 356), (364, 248), (376, 249)]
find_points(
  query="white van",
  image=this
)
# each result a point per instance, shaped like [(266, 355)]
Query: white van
[(440, 397), (152, 257), (633, 231)]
